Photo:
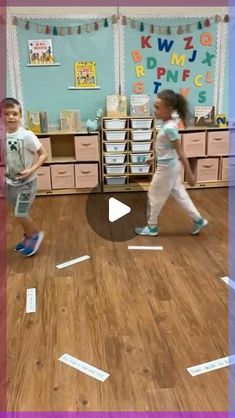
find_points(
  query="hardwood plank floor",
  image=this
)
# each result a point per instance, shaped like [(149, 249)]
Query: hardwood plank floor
[(143, 317)]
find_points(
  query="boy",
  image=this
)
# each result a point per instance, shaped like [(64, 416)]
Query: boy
[(21, 148)]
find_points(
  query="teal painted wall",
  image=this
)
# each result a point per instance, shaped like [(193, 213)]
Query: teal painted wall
[(45, 88)]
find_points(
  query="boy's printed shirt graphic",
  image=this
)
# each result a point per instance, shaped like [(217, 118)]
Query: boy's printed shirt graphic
[(21, 147), (15, 158)]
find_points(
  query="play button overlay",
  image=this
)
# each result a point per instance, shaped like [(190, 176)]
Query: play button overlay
[(114, 216), (117, 209)]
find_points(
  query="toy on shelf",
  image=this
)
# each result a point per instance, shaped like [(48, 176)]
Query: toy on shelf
[(93, 125)]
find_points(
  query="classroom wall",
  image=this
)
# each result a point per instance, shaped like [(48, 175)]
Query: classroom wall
[(50, 91)]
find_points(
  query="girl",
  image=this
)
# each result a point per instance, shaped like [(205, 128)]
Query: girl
[(167, 178)]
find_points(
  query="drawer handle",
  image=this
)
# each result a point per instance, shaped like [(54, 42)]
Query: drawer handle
[(41, 174), (87, 145), (207, 166), (196, 140), (85, 171), (62, 172), (218, 139)]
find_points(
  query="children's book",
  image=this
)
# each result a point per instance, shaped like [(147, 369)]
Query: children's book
[(40, 51), (85, 74), (140, 105), (204, 115), (116, 105), (221, 120), (70, 120), (37, 121)]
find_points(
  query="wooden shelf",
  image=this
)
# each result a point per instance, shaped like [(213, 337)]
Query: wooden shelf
[(64, 160), (54, 64), (150, 173), (61, 160), (60, 132), (208, 184), (62, 150), (130, 185), (57, 192), (83, 88)]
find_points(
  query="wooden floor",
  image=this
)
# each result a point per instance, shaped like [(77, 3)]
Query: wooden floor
[(143, 317)]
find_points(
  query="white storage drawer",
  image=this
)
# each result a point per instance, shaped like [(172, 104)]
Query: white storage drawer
[(115, 124), (141, 123), (141, 146), (140, 135), (115, 135), (115, 180), (140, 158), (111, 147), (115, 159), (137, 169), (115, 169)]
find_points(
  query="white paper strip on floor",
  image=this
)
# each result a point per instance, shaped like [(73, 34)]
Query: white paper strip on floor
[(74, 261), (30, 300), (229, 282), (211, 365), (84, 367), (145, 247)]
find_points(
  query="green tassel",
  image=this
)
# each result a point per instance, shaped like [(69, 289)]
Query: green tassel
[(199, 25), (106, 23), (55, 32), (168, 30), (141, 27)]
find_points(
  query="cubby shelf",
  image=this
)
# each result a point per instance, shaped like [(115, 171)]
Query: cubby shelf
[(73, 165), (216, 151)]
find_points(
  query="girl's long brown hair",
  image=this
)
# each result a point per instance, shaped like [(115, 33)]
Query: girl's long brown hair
[(177, 102)]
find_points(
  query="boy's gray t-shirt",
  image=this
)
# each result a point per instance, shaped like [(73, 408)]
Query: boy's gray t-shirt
[(21, 147)]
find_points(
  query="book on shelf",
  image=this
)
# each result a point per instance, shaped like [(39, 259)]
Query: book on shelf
[(116, 105), (85, 74), (70, 120), (204, 115), (40, 51), (37, 121), (140, 105), (221, 120)]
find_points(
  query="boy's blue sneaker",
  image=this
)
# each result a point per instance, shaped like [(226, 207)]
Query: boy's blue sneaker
[(33, 244), (147, 230), (22, 244), (198, 225)]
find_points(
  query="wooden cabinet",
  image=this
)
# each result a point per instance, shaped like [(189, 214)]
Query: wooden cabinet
[(73, 163), (210, 166)]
